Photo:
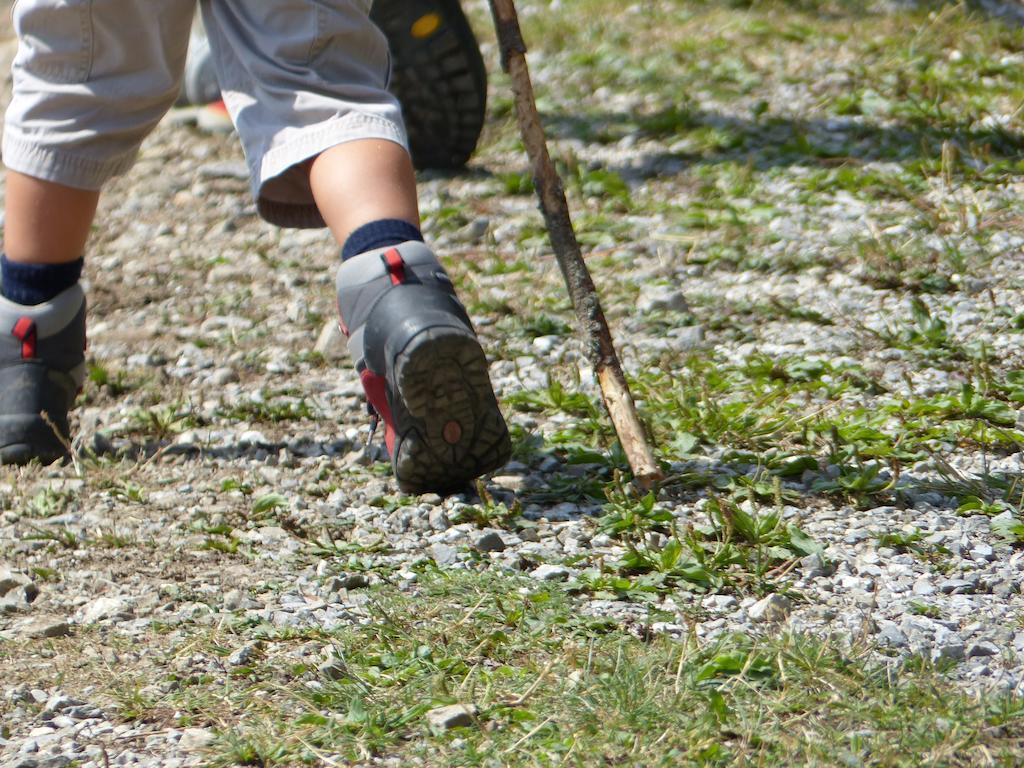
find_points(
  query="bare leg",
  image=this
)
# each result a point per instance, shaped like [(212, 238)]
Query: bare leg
[(47, 225), (46, 222), (364, 181), (353, 184)]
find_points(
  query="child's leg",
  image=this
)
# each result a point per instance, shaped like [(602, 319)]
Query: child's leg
[(90, 81), (360, 182), (420, 362), (306, 86), (42, 307), (46, 222)]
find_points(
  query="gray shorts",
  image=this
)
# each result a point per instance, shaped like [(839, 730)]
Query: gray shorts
[(93, 77)]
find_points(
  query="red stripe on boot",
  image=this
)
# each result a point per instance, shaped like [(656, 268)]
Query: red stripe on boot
[(396, 266), (25, 331)]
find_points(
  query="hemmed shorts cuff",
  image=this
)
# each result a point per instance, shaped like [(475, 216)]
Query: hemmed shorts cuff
[(302, 213), (61, 166)]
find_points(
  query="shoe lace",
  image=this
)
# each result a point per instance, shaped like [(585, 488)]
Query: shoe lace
[(374, 423)]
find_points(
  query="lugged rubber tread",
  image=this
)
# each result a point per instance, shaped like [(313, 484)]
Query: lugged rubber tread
[(423, 369), (440, 80), (440, 377)]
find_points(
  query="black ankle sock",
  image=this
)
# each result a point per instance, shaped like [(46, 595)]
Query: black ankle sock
[(32, 284), (379, 234)]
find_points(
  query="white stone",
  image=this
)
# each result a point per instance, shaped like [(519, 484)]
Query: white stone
[(454, 716), (982, 648), (332, 343), (661, 298), (489, 541), (253, 437), (103, 608), (10, 581), (772, 608), (195, 738), (41, 626), (548, 572)]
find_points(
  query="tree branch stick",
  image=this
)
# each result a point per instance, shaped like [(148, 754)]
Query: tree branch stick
[(599, 347)]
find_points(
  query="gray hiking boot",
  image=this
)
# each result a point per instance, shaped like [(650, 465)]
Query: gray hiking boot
[(42, 367), (422, 368)]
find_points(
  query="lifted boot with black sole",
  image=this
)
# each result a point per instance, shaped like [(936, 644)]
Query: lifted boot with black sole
[(422, 368)]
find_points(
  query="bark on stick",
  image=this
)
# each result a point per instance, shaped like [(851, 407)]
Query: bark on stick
[(599, 347)]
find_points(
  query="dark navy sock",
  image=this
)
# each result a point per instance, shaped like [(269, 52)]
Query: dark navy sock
[(379, 234), (32, 284)]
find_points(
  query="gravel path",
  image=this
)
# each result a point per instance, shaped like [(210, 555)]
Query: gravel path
[(224, 476)]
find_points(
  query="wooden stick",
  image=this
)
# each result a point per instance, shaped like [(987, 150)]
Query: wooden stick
[(599, 347)]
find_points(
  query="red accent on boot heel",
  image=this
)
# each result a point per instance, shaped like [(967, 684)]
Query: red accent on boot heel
[(396, 266), (25, 331), (376, 388)]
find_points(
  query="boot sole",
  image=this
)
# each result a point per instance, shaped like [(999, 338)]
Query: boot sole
[(28, 438), (448, 424), (438, 76)]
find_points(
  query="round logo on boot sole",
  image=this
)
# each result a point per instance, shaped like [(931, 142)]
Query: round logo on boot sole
[(452, 432)]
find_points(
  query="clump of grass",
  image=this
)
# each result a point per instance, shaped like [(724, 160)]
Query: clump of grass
[(489, 513), (162, 422), (50, 502), (269, 408), (548, 683), (116, 383), (734, 548)]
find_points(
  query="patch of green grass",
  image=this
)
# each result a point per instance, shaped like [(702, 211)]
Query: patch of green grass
[(1011, 530), (772, 310), (543, 325), (587, 415), (730, 546), (162, 422), (116, 383), (865, 183), (61, 535), (550, 685), (267, 505), (904, 262), (527, 446), (128, 491), (50, 502), (113, 539), (133, 704), (269, 408), (604, 184), (45, 574), (565, 487), (925, 609), (227, 545), (926, 333), (625, 514), (914, 544), (515, 183), (234, 485), (976, 505), (488, 513)]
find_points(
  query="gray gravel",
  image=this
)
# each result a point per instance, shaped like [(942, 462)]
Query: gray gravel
[(203, 337)]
